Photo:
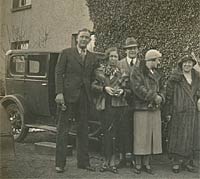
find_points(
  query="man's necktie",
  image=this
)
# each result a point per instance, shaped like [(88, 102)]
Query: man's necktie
[(131, 63), (82, 54)]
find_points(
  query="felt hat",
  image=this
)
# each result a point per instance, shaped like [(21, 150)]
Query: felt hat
[(130, 42)]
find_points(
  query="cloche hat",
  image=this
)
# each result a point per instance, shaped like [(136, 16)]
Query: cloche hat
[(152, 54)]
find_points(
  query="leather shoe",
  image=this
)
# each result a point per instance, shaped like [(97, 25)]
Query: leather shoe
[(104, 168), (176, 168), (89, 168), (113, 169), (190, 168), (59, 169), (137, 170), (148, 170)]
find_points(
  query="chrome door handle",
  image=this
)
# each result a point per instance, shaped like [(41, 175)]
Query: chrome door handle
[(44, 84)]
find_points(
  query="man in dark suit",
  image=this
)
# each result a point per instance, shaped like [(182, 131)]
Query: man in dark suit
[(126, 129), (74, 72)]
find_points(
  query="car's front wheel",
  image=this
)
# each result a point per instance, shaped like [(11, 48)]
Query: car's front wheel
[(16, 117)]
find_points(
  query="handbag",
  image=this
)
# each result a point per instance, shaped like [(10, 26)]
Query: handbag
[(100, 103)]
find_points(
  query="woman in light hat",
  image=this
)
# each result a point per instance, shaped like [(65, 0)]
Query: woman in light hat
[(146, 83), (183, 92)]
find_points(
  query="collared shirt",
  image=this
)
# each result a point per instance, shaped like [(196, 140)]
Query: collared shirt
[(130, 59), (80, 51), (152, 72)]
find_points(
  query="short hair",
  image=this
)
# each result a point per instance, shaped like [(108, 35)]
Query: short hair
[(84, 30), (111, 49)]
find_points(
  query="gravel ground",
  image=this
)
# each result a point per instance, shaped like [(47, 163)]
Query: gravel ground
[(28, 163)]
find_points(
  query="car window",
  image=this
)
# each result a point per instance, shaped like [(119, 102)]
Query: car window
[(17, 65), (37, 65)]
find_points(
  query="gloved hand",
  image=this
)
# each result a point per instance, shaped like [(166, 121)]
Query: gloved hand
[(158, 99), (168, 118)]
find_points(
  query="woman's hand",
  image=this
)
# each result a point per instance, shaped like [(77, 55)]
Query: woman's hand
[(109, 90), (168, 118), (158, 99), (119, 92)]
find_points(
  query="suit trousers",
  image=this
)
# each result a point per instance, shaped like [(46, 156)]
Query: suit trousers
[(79, 110), (125, 130)]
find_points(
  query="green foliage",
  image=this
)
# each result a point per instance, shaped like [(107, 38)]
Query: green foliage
[(171, 26)]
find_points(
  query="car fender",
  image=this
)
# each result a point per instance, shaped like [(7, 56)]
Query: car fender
[(18, 100)]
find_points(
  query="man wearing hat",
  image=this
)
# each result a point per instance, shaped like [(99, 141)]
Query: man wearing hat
[(146, 84), (125, 125), (131, 50)]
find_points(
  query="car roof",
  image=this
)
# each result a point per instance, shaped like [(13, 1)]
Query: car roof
[(28, 51), (25, 51)]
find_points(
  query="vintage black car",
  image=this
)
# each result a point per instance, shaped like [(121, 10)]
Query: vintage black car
[(30, 93)]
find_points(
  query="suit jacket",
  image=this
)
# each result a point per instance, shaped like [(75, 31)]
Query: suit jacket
[(126, 69), (73, 73)]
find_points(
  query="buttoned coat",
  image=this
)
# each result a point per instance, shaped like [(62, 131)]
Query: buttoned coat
[(72, 73)]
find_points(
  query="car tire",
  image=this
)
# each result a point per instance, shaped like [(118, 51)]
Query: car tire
[(19, 130)]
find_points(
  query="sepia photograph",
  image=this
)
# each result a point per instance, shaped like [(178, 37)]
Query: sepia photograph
[(99, 89)]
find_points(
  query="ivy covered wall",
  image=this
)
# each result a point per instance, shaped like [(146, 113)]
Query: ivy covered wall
[(171, 26)]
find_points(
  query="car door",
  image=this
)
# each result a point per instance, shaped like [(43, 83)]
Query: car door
[(15, 75), (36, 84)]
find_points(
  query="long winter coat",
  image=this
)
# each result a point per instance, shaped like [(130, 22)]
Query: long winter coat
[(147, 117), (181, 102)]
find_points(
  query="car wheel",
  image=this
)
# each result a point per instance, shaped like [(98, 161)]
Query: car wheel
[(19, 130)]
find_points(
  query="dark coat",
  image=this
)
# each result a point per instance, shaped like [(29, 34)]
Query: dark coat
[(145, 87), (72, 73), (181, 103)]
